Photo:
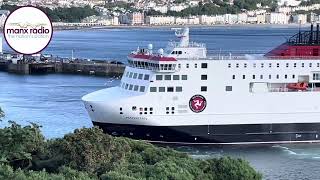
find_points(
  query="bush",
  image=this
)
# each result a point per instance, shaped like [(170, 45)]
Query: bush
[(88, 153)]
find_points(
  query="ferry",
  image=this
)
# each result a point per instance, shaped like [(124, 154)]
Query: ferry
[(182, 95)]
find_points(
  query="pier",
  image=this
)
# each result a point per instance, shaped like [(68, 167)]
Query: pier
[(26, 66)]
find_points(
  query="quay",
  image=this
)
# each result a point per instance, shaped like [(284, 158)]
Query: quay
[(39, 64)]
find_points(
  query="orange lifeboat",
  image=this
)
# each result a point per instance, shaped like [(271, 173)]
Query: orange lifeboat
[(298, 86)]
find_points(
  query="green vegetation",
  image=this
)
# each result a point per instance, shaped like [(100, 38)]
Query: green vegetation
[(73, 14), (219, 7), (88, 153)]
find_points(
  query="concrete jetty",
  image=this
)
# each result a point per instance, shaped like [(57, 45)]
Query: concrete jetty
[(98, 68)]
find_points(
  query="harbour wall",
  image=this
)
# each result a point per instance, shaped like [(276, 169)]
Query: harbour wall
[(85, 68)]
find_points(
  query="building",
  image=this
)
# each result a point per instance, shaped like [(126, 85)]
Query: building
[(299, 18), (160, 20), (204, 19), (135, 18), (277, 18), (3, 16)]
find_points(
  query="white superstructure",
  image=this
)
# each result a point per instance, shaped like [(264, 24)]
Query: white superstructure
[(182, 95)]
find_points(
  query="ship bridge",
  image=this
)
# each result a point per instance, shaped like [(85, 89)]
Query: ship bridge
[(165, 60)]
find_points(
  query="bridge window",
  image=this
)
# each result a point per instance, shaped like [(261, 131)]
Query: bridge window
[(130, 87), (127, 74), (270, 65), (136, 87), (187, 65), (278, 65), (287, 64), (175, 77), (237, 65), (140, 76), (285, 76), (293, 76), (295, 65), (162, 89), (229, 65), (243, 76), (203, 88), (131, 74), (310, 64), (167, 77), (204, 65), (169, 89), (254, 65), (233, 76), (302, 64), (153, 89), (146, 77), (262, 65), (196, 65), (204, 77), (179, 89), (142, 88), (318, 64), (135, 75), (245, 65), (184, 77), (159, 77), (127, 86), (253, 76)]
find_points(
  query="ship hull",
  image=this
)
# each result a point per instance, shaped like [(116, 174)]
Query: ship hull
[(218, 134)]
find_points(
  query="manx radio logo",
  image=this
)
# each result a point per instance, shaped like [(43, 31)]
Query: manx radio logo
[(28, 30)]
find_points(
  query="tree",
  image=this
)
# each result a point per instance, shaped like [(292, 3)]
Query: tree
[(1, 113)]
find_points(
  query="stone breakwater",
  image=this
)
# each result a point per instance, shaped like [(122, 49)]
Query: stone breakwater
[(98, 68)]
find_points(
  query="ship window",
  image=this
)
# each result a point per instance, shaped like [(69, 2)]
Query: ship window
[(204, 65), (140, 76), (136, 87), (167, 77), (180, 52), (146, 77), (287, 64), (302, 64), (253, 76), (135, 75), (169, 89), (277, 76), (187, 65), (245, 65), (229, 65), (203, 88), (270, 65), (286, 76), (127, 86), (153, 89), (261, 76), (204, 77), (254, 65), (166, 67), (142, 88), (179, 89), (173, 52), (130, 87), (131, 74), (269, 76), (316, 76), (262, 65), (184, 77), (175, 77), (233, 76), (310, 64), (237, 65), (318, 64), (295, 65), (278, 65), (167, 108), (195, 65), (243, 76), (159, 77), (170, 67), (179, 66), (293, 76), (228, 88), (162, 89)]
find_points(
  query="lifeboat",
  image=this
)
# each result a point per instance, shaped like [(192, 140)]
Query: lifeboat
[(298, 86)]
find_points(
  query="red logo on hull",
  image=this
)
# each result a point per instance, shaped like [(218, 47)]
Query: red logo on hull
[(197, 103)]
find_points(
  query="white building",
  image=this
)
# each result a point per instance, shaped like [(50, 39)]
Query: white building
[(187, 20), (299, 18), (161, 8), (230, 18), (288, 3), (3, 16), (204, 19), (277, 18), (160, 20), (242, 18), (177, 8)]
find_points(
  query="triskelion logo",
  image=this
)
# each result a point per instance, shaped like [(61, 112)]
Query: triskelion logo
[(28, 30)]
